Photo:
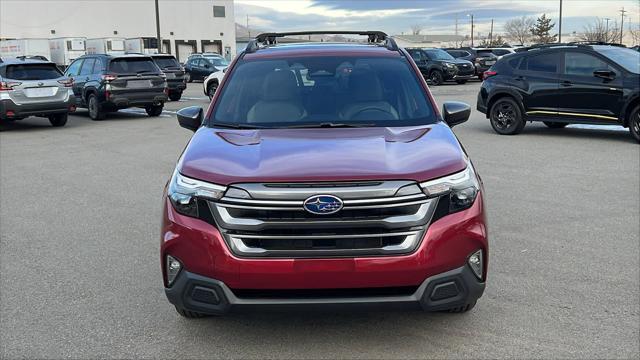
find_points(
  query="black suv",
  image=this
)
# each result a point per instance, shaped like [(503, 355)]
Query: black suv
[(562, 84), (437, 66), (176, 80), (104, 83), (199, 66), (482, 59)]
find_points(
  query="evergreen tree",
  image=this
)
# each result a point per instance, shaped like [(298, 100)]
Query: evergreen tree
[(541, 30)]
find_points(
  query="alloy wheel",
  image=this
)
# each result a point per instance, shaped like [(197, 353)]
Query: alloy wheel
[(505, 115)]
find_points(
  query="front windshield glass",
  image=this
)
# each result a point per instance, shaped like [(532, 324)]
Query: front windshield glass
[(627, 58), (323, 91), (439, 54), (217, 61)]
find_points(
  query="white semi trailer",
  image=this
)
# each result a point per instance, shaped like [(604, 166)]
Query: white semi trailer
[(143, 45), (111, 46), (65, 50), (25, 47)]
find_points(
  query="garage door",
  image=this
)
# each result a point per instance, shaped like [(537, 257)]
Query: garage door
[(184, 50), (212, 48)]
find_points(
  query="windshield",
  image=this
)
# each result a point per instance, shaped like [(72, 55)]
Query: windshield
[(217, 61), (627, 58), (133, 66), (439, 54), (32, 72), (166, 62), (323, 91)]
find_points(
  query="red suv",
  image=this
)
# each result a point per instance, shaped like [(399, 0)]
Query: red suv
[(323, 174)]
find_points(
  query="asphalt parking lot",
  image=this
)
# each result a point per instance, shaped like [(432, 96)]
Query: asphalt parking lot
[(79, 251)]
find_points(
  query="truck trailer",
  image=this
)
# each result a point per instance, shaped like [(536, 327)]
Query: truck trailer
[(66, 49), (110, 46), (25, 47)]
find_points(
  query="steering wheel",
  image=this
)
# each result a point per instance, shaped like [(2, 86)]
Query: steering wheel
[(387, 115)]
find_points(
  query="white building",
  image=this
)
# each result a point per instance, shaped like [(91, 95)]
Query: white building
[(185, 26)]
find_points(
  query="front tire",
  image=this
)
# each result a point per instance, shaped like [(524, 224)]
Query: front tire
[(189, 314), (175, 96), (58, 120), (464, 308), (634, 123), (436, 78), (95, 109), (555, 125), (506, 117), (211, 89), (154, 110)]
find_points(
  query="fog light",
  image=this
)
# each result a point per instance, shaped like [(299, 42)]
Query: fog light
[(475, 262), (173, 269)]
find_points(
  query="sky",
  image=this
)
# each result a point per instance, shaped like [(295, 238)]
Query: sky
[(436, 16)]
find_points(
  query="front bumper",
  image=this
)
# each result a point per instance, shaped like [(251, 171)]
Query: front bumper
[(206, 257), (447, 290), (36, 109)]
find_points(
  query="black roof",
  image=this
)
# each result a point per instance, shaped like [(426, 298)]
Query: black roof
[(112, 56)]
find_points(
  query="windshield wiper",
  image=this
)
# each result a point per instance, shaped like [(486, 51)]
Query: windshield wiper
[(237, 126), (329, 125)]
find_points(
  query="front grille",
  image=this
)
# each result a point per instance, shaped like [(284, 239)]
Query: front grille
[(378, 218)]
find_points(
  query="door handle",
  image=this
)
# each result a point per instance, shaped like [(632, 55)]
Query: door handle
[(520, 78), (566, 83)]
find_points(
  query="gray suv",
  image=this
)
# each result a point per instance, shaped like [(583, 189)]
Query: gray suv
[(34, 88)]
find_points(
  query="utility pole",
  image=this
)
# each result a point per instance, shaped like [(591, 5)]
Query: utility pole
[(606, 31), (249, 31), (491, 34), (456, 30), (622, 11), (471, 15), (560, 24), (158, 28)]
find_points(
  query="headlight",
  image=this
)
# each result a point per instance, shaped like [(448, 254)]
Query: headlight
[(461, 188), (449, 65), (184, 193)]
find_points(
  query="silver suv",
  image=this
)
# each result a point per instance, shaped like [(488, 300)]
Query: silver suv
[(34, 88)]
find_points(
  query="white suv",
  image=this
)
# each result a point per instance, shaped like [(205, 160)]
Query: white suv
[(211, 82)]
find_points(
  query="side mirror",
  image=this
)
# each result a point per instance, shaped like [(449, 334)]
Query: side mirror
[(207, 66), (224, 70), (190, 117), (455, 113), (604, 74)]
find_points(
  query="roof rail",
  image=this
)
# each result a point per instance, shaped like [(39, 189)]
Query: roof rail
[(573, 43), (272, 38)]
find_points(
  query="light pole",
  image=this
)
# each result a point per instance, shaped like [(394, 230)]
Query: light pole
[(560, 24), (158, 28), (471, 15), (622, 23), (606, 31)]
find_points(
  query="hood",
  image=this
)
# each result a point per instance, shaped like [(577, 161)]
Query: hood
[(308, 155)]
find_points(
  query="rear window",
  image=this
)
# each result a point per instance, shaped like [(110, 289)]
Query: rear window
[(166, 62), (484, 53), (32, 72), (217, 61), (310, 91), (132, 66)]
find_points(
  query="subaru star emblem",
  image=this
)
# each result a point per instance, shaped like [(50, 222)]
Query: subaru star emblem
[(323, 204)]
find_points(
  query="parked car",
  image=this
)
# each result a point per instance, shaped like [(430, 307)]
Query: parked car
[(439, 66), (211, 83), (563, 84), (174, 72), (34, 88), (482, 59), (107, 83), (323, 175), (500, 52), (198, 67)]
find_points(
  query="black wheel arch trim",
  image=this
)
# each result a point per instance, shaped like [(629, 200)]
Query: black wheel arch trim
[(493, 96), (629, 106)]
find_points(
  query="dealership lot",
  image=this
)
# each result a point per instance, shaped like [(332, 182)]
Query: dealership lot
[(79, 258)]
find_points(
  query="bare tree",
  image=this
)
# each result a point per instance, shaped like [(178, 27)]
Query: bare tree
[(416, 29), (599, 30), (519, 29), (634, 32)]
